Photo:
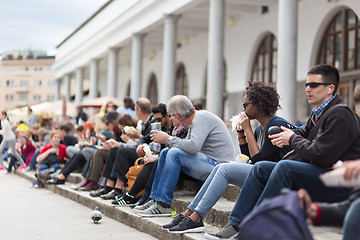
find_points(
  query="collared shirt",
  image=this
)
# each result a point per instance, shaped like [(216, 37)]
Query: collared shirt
[(318, 111)]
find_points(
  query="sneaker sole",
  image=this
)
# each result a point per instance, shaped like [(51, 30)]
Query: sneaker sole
[(211, 237), (154, 215), (191, 230)]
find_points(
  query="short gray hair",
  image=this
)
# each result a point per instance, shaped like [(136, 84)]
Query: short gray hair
[(181, 105)]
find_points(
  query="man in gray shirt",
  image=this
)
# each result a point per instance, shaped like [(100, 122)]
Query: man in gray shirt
[(208, 143)]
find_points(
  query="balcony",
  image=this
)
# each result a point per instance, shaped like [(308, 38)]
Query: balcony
[(20, 103), (21, 89)]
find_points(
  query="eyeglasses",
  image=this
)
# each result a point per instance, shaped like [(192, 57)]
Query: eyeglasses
[(158, 119), (315, 84), (245, 104)]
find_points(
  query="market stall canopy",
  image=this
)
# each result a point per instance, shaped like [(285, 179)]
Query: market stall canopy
[(45, 110), (100, 101)]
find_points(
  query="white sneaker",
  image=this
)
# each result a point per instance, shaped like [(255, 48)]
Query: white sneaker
[(144, 206)]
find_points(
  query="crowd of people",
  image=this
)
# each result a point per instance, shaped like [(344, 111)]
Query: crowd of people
[(178, 140)]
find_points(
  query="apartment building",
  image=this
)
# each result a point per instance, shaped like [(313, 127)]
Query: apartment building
[(26, 80)]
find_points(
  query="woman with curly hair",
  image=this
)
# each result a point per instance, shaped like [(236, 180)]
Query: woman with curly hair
[(261, 102)]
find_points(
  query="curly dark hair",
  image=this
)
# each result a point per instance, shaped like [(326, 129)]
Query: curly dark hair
[(264, 97)]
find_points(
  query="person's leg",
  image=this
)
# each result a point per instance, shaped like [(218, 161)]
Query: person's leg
[(15, 153), (71, 151), (251, 191), (197, 165), (141, 179), (73, 164), (125, 158), (158, 173), (110, 163), (351, 222), (233, 173), (98, 160), (2, 148), (32, 165), (295, 175), (11, 164)]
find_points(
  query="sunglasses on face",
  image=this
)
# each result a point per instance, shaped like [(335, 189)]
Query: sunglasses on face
[(315, 84), (158, 119), (245, 104)]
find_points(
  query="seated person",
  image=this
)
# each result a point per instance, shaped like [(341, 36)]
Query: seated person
[(260, 103), (345, 213), (67, 137), (26, 148), (207, 144), (331, 133)]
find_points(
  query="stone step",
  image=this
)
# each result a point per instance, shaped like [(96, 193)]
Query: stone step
[(216, 218)]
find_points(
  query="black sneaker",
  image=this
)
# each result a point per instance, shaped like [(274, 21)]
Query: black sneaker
[(100, 192), (176, 220), (123, 201), (187, 225)]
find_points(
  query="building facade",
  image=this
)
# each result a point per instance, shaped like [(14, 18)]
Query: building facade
[(26, 80), (209, 50)]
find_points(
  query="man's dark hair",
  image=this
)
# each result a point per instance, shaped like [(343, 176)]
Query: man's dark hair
[(264, 97), (329, 74), (110, 117), (160, 108), (65, 127), (129, 103)]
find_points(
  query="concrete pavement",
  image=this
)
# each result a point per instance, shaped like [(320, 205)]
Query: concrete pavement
[(36, 214)]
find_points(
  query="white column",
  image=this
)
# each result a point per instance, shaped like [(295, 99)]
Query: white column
[(287, 54), (169, 58), (136, 65), (112, 72), (57, 89), (67, 87), (215, 68), (93, 79), (78, 86)]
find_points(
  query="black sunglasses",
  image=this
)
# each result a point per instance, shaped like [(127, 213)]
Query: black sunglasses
[(245, 104), (158, 119), (315, 84)]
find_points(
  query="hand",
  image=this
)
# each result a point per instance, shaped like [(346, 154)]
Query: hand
[(134, 133), (140, 150), (53, 150), (125, 137), (352, 170), (101, 137), (244, 122), (159, 136), (113, 143), (106, 145), (150, 158), (305, 201), (281, 139)]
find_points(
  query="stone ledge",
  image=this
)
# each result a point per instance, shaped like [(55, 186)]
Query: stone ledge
[(217, 217)]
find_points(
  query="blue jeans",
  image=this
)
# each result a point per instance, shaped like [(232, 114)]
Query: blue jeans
[(266, 179), (13, 161), (216, 184), (32, 165), (170, 163), (351, 222), (54, 166)]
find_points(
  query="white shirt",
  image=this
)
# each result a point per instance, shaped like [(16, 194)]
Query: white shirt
[(6, 130)]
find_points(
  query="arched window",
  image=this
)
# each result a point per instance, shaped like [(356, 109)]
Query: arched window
[(152, 90), (340, 47), (181, 84), (264, 68)]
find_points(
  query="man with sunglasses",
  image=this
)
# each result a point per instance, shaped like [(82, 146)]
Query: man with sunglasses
[(337, 138), (207, 143)]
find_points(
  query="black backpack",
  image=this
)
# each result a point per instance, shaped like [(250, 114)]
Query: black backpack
[(278, 218)]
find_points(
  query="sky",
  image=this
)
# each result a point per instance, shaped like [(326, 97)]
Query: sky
[(41, 24)]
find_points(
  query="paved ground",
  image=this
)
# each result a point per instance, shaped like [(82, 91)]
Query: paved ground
[(36, 214)]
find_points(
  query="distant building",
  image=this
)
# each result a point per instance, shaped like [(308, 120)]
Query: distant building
[(26, 79)]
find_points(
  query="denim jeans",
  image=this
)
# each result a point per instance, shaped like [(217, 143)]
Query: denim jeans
[(266, 179), (351, 222), (32, 165), (216, 184), (170, 163), (12, 162)]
